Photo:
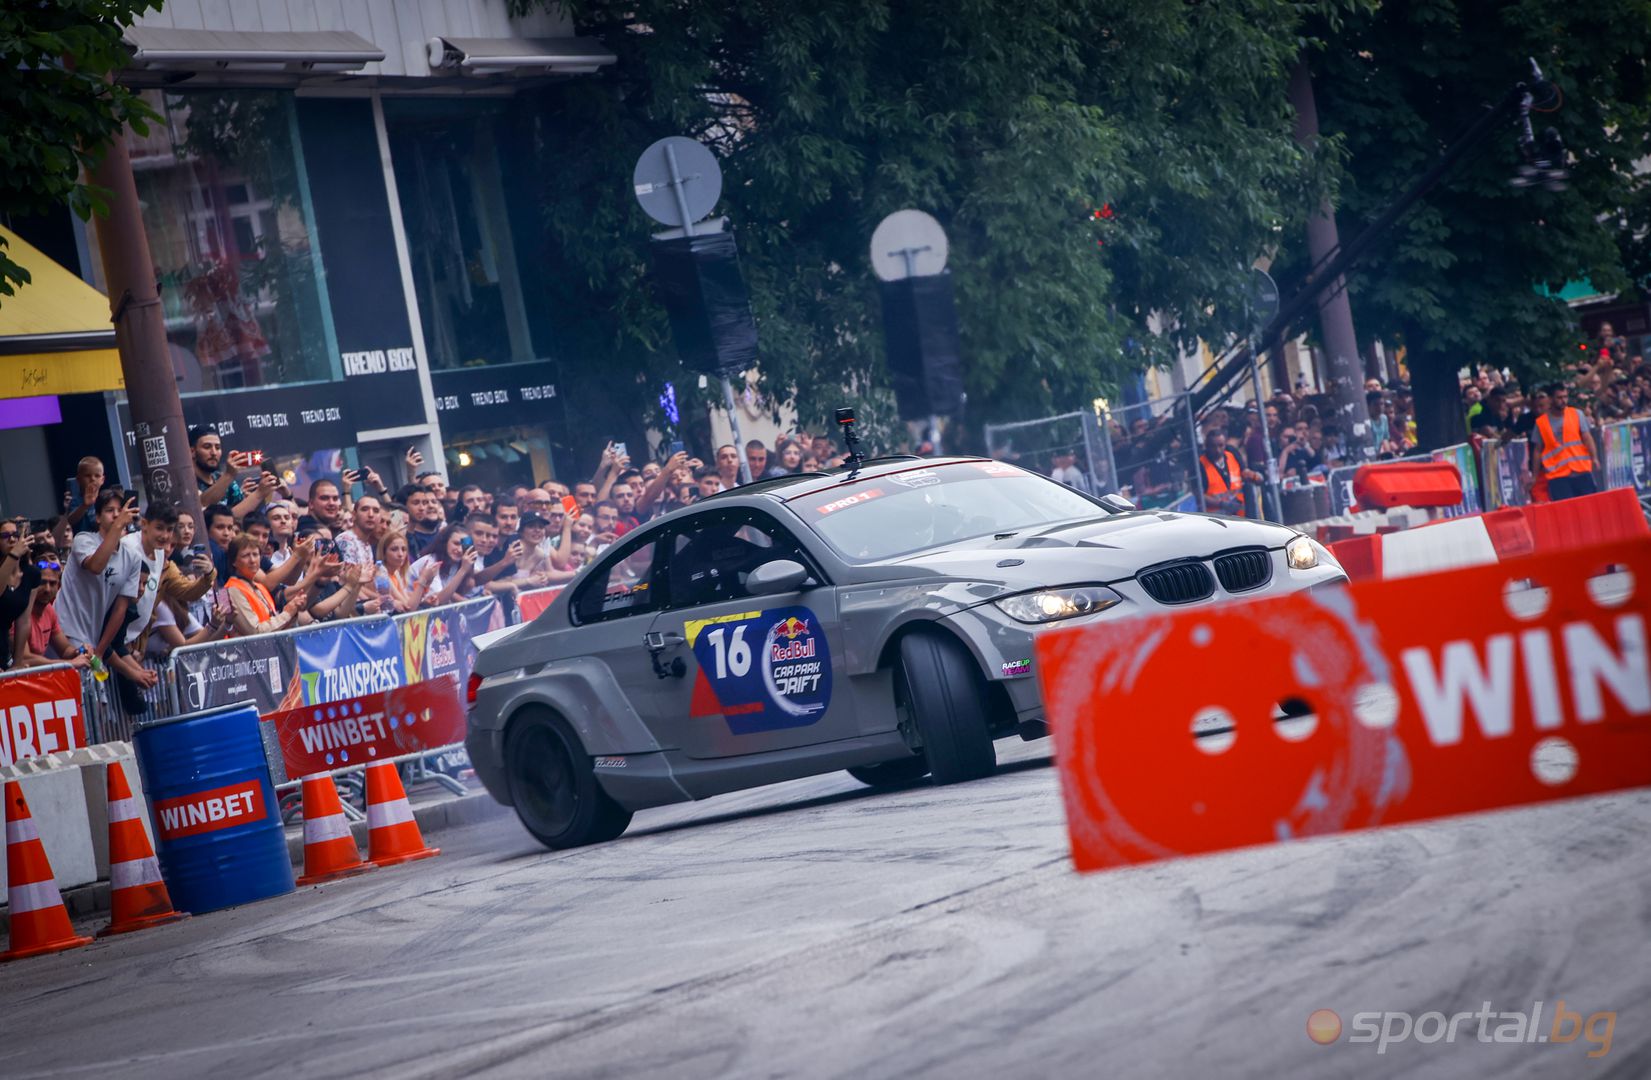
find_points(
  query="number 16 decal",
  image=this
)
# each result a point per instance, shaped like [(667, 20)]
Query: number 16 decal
[(762, 670)]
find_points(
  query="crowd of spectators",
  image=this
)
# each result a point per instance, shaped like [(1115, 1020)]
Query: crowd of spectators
[(109, 585), (1607, 381)]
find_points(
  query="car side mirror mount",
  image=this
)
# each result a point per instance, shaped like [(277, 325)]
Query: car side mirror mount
[(1117, 503), (776, 576)]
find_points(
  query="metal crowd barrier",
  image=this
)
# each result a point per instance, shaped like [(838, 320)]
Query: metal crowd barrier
[(175, 699)]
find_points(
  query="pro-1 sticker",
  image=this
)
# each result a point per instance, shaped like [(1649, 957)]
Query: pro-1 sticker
[(762, 670)]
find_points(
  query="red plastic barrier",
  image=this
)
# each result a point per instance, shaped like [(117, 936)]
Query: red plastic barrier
[(1360, 556), (1413, 699), (1522, 530), (1407, 483), (1587, 519)]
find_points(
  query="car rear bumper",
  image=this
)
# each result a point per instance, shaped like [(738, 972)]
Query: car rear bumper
[(486, 750)]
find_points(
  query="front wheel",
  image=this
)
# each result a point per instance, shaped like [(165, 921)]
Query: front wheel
[(554, 788), (939, 682), (888, 774)]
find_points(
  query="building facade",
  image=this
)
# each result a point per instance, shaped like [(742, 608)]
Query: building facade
[(338, 206)]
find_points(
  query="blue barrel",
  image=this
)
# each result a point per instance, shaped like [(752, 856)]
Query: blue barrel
[(217, 820)]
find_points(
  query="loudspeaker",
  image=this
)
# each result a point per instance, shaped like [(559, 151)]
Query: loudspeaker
[(920, 335), (700, 284)]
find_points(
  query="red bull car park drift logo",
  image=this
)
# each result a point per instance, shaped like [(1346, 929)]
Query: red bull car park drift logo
[(784, 682)]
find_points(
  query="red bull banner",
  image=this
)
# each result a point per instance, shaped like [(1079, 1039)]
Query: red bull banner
[(40, 713), (373, 727), (1381, 703)]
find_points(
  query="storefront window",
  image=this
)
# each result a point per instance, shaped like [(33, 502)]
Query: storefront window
[(450, 156), (225, 210)]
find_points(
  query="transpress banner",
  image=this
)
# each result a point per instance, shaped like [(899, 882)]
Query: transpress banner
[(348, 660)]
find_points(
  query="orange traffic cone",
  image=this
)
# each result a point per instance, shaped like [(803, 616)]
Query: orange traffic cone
[(39, 921), (329, 849), (137, 895), (392, 834)]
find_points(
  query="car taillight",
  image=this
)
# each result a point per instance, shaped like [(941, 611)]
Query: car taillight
[(471, 687)]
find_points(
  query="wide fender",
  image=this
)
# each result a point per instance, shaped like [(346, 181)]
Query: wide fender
[(873, 615), (582, 691)]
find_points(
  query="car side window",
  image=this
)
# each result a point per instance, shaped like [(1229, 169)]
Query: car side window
[(624, 584), (709, 556)]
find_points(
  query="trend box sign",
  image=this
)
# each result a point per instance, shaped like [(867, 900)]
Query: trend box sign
[(762, 670), (39, 714), (1332, 711), (347, 661), (374, 727)]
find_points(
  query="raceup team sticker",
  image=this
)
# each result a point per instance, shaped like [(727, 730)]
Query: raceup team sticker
[(762, 670)]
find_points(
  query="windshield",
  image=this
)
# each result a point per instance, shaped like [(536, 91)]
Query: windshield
[(887, 516)]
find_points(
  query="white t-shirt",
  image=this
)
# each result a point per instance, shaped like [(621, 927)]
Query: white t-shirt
[(84, 599), (151, 585)]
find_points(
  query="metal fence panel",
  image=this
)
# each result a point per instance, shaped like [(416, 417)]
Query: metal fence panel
[(1156, 451), (1034, 445)]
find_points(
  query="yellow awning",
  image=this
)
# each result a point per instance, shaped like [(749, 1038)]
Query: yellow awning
[(55, 335)]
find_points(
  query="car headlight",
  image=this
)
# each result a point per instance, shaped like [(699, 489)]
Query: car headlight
[(1049, 605), (1303, 553)]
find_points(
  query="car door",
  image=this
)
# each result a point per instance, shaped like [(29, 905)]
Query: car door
[(612, 610), (758, 672)]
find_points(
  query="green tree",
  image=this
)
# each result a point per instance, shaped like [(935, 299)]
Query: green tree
[(1457, 282), (60, 109), (1012, 124)]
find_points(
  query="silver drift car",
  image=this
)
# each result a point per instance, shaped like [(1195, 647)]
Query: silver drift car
[(878, 620)]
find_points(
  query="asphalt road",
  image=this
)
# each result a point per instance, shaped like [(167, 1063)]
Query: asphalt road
[(820, 929)]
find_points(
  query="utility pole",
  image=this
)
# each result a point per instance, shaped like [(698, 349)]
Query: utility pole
[(164, 460), (1346, 367)]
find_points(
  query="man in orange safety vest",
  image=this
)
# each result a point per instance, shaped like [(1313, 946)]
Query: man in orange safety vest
[(1223, 476), (1562, 443)]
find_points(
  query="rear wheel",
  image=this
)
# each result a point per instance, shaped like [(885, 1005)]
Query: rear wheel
[(941, 686), (891, 773), (553, 787)]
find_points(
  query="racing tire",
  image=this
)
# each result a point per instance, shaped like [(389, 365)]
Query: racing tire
[(554, 788), (940, 683), (890, 774)]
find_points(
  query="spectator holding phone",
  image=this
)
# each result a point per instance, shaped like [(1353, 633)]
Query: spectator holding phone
[(97, 569), (218, 484), (445, 569)]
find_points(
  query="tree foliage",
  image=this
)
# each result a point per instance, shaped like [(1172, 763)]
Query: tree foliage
[(1012, 124), (1457, 281), (58, 106)]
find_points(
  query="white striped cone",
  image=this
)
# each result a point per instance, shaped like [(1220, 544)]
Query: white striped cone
[(329, 849), (137, 893), (392, 833), (39, 921)]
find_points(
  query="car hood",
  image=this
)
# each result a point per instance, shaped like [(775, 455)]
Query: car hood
[(1097, 549)]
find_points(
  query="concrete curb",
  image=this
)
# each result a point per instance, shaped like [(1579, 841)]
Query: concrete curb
[(85, 901)]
